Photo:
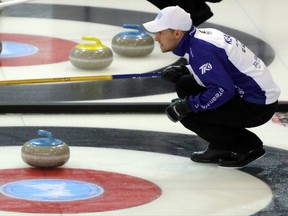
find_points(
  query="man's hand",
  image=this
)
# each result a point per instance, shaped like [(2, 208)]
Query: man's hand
[(178, 109), (173, 73)]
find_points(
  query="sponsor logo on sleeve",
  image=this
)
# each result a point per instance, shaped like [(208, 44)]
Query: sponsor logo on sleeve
[(205, 68)]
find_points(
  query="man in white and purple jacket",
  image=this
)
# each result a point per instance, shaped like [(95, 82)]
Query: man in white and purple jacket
[(223, 89)]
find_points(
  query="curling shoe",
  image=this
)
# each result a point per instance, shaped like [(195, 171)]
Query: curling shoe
[(209, 155), (239, 160)]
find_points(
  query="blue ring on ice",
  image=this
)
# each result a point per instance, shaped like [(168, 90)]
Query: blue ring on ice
[(15, 49), (51, 190)]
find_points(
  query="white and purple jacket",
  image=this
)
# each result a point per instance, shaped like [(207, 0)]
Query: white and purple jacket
[(227, 68)]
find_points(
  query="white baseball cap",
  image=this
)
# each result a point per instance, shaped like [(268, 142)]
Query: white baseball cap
[(172, 17)]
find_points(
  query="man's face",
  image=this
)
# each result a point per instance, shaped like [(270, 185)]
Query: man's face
[(168, 39)]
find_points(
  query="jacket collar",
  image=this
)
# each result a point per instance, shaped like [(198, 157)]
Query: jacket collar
[(181, 49)]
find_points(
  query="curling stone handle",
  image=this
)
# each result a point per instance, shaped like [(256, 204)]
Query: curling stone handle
[(135, 26), (47, 134), (98, 44)]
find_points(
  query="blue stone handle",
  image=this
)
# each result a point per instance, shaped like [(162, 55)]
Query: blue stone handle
[(48, 141), (47, 134), (135, 26)]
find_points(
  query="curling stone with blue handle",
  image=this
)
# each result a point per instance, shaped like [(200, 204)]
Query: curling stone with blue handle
[(45, 152), (133, 43), (91, 55)]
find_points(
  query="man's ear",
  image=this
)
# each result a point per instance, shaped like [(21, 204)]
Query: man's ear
[(178, 34)]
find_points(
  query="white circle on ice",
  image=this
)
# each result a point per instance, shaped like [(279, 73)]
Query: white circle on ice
[(187, 188)]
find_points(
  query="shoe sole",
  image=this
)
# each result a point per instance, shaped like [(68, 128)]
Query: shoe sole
[(206, 161), (242, 165)]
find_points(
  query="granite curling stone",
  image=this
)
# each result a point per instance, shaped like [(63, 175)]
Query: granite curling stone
[(133, 43), (45, 152), (91, 55)]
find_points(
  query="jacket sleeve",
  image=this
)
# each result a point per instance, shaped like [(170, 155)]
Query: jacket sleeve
[(212, 72)]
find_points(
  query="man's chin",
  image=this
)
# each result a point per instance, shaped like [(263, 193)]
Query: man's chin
[(164, 50)]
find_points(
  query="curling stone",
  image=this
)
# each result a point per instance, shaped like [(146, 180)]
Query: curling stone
[(133, 43), (45, 152), (91, 55)]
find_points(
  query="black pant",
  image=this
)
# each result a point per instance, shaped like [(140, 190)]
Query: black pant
[(225, 127), (198, 9)]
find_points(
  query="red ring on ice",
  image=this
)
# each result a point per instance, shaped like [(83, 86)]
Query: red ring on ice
[(50, 50), (120, 191)]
